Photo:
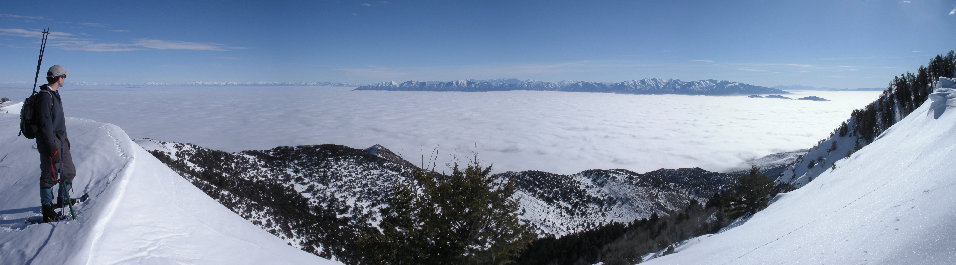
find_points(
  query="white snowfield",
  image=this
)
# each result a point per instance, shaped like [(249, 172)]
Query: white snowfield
[(139, 211), (893, 202)]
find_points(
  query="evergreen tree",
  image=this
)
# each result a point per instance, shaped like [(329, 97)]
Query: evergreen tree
[(922, 85), (903, 94), (844, 129), (887, 117), (468, 217), (866, 122), (942, 66), (949, 65), (751, 194)]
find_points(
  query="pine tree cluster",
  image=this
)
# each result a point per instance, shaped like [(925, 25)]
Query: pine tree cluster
[(619, 243), (752, 193), (468, 217), (903, 95)]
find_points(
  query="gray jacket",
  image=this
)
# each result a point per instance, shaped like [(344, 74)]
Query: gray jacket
[(51, 121)]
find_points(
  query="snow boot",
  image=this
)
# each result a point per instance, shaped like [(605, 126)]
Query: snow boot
[(46, 206), (49, 215)]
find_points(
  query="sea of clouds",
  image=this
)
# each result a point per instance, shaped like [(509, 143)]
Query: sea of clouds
[(561, 132)]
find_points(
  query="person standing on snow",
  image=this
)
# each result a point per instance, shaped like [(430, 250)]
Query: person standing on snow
[(56, 162)]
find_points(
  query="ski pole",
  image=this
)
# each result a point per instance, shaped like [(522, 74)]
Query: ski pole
[(72, 213), (40, 60)]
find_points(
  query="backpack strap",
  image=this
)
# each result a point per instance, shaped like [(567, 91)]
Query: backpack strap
[(52, 101)]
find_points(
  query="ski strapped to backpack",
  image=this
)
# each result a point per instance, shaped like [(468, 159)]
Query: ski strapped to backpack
[(28, 118)]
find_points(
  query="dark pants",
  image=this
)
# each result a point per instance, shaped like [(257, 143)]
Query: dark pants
[(47, 168)]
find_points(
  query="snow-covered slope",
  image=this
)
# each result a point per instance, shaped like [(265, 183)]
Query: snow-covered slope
[(892, 202), (139, 212)]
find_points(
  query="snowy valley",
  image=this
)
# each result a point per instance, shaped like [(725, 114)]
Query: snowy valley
[(337, 192)]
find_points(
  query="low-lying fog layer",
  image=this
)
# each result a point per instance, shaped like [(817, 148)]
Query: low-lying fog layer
[(559, 132)]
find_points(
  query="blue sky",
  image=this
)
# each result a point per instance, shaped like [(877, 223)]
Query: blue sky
[(842, 44)]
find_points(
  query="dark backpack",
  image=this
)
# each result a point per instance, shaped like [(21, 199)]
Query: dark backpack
[(28, 115)]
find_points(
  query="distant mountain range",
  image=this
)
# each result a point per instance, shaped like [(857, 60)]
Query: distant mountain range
[(799, 87), (643, 86)]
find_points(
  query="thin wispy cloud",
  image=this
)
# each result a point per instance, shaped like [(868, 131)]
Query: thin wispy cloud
[(952, 12), (182, 45), (704, 61), (94, 24), (366, 4), (69, 41), (91, 46), (20, 17), (842, 68), (18, 32), (746, 69), (104, 26), (32, 33)]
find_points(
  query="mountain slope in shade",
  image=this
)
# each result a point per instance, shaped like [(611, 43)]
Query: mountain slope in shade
[(889, 203)]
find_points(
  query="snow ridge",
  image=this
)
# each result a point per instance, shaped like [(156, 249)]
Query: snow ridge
[(99, 227), (139, 211)]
